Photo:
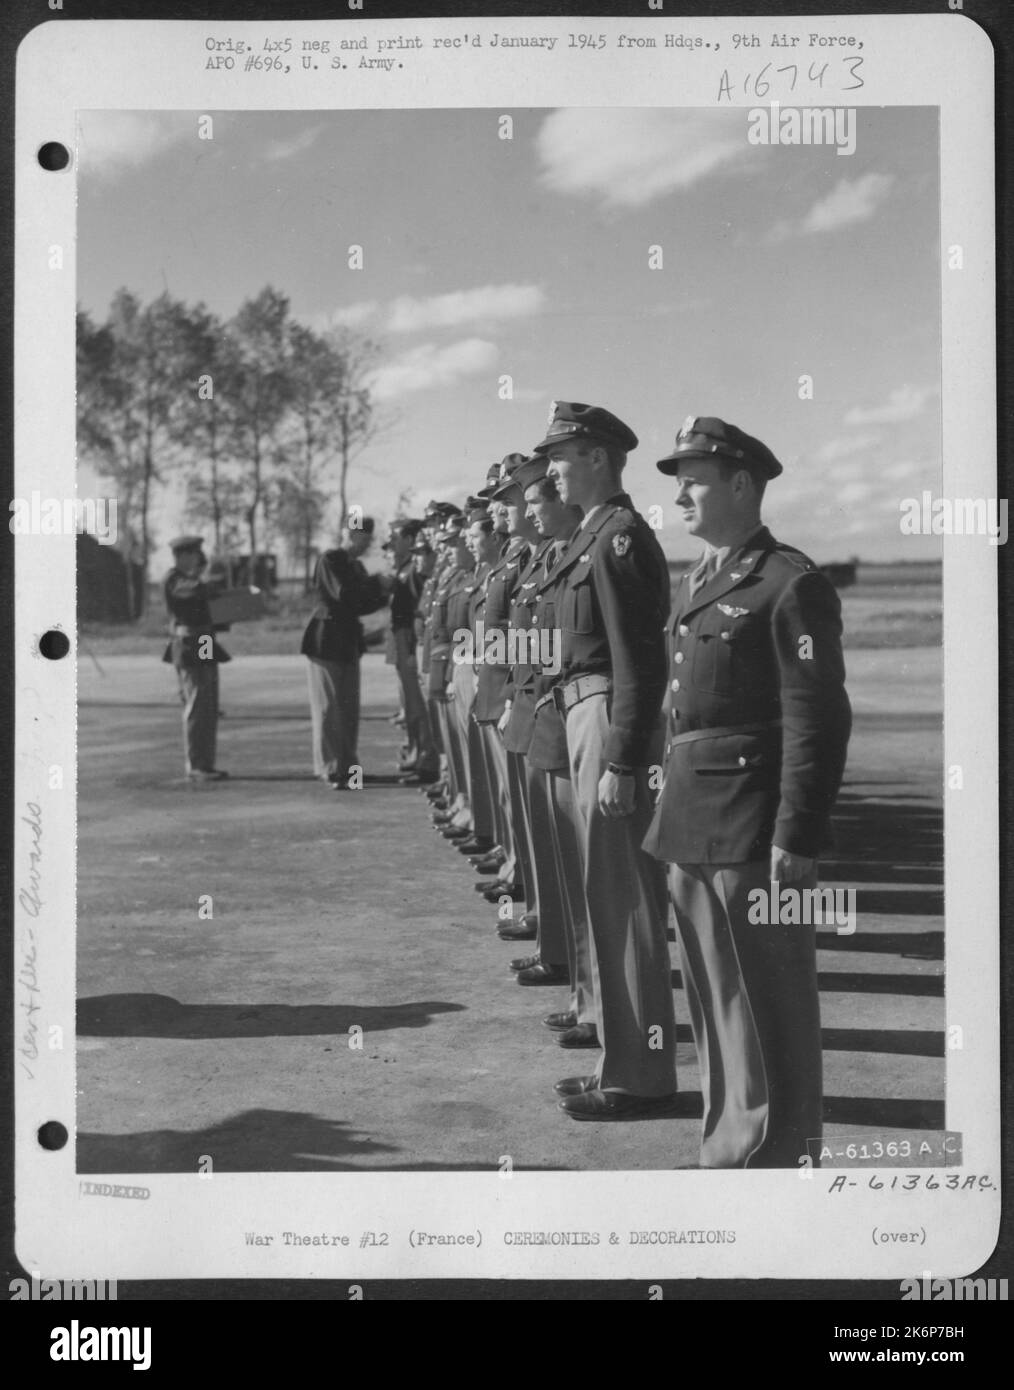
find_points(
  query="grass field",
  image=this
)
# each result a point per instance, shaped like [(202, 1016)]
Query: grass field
[(902, 610)]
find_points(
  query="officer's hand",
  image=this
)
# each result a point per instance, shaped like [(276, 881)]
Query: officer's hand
[(616, 795), (504, 719), (790, 868)]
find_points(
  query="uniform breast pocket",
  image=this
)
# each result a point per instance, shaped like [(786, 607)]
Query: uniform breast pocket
[(576, 605), (726, 650)]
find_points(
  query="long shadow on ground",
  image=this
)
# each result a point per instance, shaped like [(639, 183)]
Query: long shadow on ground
[(160, 1016), (254, 1141)]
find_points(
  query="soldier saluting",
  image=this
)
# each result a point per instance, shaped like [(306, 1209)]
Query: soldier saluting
[(759, 726), (195, 654), (611, 601)]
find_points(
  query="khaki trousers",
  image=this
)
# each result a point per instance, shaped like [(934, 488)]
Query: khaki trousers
[(755, 1012), (625, 900), (418, 733), (199, 693), (495, 763), (568, 859), (334, 715)]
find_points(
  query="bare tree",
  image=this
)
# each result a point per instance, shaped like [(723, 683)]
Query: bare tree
[(128, 383)]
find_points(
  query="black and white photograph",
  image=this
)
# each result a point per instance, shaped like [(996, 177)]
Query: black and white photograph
[(513, 551)]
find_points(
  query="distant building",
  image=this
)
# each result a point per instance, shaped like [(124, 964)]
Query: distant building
[(103, 591)]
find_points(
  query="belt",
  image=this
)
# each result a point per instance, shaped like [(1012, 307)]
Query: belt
[(695, 735), (580, 688), (549, 699)]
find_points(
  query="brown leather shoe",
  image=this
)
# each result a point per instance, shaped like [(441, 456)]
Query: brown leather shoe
[(581, 1035), (544, 974), (575, 1085), (524, 962), (616, 1105), (561, 1022)]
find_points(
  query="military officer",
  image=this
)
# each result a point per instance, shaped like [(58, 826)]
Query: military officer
[(454, 572), (549, 774), (611, 601), (493, 673), (759, 727), (422, 760), (195, 654), (333, 643)]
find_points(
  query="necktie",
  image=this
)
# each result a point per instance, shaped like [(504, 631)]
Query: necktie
[(706, 570)]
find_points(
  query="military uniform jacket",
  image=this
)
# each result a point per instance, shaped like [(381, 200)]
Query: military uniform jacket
[(408, 584), (423, 620), (520, 685), (344, 592), (491, 695), (759, 720), (611, 598), (186, 598), (444, 624)]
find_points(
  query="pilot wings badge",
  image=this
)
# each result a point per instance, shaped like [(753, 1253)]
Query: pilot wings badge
[(730, 611)]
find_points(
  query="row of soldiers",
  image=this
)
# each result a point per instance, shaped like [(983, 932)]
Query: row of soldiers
[(581, 761)]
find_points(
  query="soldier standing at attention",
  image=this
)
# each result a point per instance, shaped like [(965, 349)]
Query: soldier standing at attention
[(611, 602), (195, 654), (422, 760), (759, 727)]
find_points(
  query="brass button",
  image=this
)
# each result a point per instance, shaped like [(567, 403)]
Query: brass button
[(679, 658), (742, 761), (684, 631), (668, 748), (675, 685), (725, 636)]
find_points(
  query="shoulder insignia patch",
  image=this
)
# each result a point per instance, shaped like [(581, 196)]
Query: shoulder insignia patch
[(621, 543)]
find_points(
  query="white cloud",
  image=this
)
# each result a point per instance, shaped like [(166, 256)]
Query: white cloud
[(849, 201), (428, 366), (352, 315), (110, 142), (854, 492), (485, 304), (631, 157), (909, 468), (296, 144), (843, 447), (904, 404)]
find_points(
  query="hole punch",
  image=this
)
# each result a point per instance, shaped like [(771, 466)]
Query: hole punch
[(53, 156), (52, 1135), (54, 644)]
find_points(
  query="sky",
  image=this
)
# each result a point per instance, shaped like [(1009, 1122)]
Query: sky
[(529, 257)]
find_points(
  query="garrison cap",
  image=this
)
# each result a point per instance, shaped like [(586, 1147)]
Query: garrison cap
[(493, 475), (523, 474), (572, 420), (705, 436), (437, 511), (186, 543), (452, 527)]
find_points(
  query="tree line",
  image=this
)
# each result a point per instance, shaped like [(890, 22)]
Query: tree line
[(261, 417)]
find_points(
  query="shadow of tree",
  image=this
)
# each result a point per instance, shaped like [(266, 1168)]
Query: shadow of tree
[(160, 1016)]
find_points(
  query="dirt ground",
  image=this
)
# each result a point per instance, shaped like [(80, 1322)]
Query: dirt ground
[(229, 1037)]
